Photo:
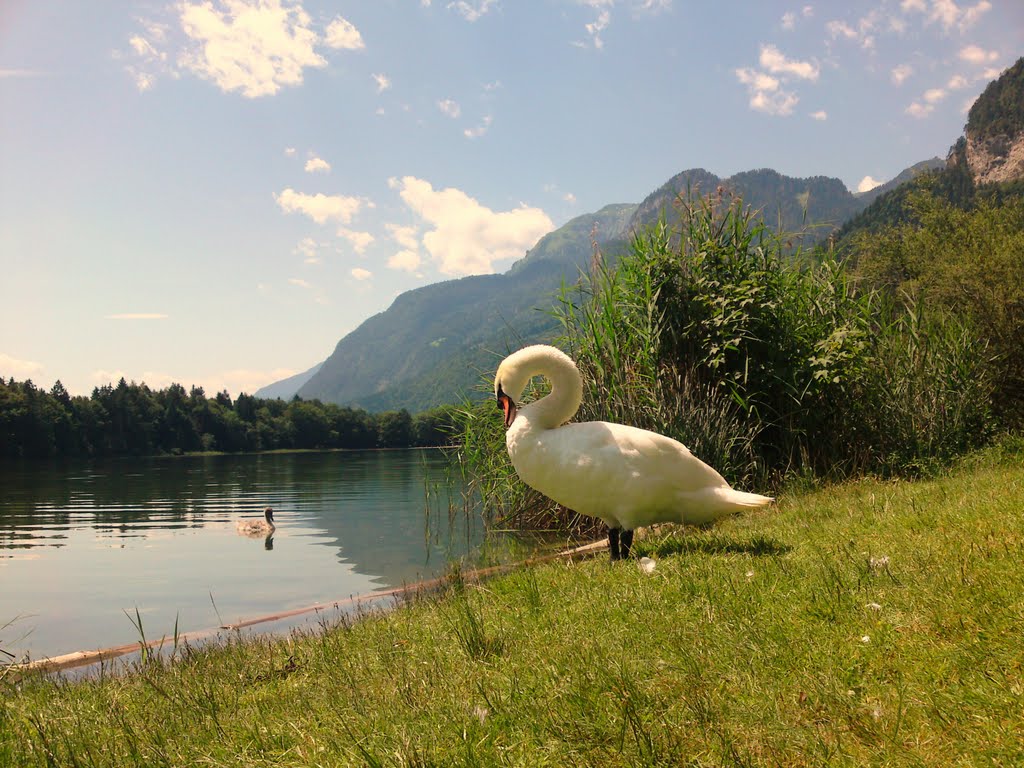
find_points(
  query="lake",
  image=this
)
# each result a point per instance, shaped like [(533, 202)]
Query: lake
[(82, 544)]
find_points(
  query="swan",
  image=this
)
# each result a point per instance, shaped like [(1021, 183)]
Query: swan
[(254, 527), (627, 477)]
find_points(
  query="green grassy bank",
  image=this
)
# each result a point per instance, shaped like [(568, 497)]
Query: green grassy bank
[(870, 623)]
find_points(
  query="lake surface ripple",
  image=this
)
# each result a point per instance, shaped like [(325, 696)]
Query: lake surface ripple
[(82, 544)]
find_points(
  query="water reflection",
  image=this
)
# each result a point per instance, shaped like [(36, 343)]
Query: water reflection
[(80, 544)]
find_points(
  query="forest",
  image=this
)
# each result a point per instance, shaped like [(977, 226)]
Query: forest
[(131, 419)]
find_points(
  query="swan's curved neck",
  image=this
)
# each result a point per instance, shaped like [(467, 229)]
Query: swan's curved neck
[(556, 408)]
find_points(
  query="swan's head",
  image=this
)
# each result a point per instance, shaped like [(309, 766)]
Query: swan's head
[(517, 369), (269, 514)]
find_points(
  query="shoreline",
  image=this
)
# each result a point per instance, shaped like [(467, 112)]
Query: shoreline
[(80, 659)]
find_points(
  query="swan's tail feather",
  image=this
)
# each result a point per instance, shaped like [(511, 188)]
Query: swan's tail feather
[(743, 500)]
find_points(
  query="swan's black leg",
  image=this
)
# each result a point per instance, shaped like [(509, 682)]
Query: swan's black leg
[(627, 542), (613, 542)]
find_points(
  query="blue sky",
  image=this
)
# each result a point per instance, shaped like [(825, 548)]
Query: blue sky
[(214, 192)]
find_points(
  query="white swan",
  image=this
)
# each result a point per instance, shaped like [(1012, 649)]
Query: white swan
[(625, 476), (254, 527)]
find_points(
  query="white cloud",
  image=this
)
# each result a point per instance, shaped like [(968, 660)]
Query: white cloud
[(956, 82), (867, 184), (471, 11), (947, 13), (407, 237), (765, 93), (919, 110), (359, 241), (320, 207), (136, 316), (383, 82), (149, 57), (821, 114), (299, 282), (307, 248), (570, 198), (341, 33), (142, 46), (808, 11), (654, 5), (973, 13), (788, 20), (405, 260), (757, 80), (480, 130), (838, 29), (976, 55), (775, 62), (596, 27), (934, 95), (255, 48), (465, 237), (315, 164), (900, 73), (361, 274), (449, 107), (289, 151), (12, 367)]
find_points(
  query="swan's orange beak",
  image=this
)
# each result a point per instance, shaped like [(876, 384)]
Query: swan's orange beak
[(509, 407)]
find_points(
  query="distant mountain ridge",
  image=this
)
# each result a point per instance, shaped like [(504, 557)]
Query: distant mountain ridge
[(285, 389), (434, 343)]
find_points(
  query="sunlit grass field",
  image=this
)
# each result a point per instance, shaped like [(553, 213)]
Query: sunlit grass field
[(868, 623)]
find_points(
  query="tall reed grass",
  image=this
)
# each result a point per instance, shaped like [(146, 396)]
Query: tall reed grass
[(765, 362)]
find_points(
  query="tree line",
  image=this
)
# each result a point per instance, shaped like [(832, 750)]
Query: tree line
[(131, 419)]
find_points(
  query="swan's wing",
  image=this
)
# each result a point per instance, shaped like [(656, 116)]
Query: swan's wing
[(601, 469)]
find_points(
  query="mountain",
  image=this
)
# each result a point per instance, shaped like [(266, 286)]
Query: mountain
[(988, 160), (994, 132), (435, 343), (815, 205), (429, 346), (911, 173), (286, 389)]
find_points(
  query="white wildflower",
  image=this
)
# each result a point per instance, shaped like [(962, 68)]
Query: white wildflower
[(646, 565), (878, 563), (873, 607)]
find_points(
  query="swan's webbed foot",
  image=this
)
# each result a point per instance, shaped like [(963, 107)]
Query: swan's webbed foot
[(613, 542)]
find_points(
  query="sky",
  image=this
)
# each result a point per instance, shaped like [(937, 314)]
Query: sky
[(214, 192)]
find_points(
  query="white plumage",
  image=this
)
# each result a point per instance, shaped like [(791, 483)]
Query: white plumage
[(625, 476)]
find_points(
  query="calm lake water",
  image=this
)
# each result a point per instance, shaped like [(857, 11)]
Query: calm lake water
[(81, 544)]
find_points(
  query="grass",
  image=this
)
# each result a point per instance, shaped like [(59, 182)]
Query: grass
[(868, 623)]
